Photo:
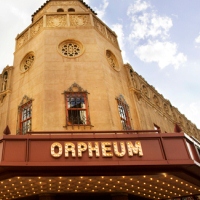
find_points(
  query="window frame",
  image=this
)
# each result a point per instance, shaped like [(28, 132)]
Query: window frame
[(125, 116), (83, 95), (22, 121)]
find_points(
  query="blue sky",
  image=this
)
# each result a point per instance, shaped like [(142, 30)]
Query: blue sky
[(160, 39)]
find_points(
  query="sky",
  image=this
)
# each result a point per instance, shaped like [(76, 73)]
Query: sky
[(160, 39)]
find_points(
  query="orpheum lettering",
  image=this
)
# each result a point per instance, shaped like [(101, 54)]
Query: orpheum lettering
[(96, 149)]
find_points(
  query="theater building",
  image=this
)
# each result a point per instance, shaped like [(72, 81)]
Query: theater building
[(78, 123)]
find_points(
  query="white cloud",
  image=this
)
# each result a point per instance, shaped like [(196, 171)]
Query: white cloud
[(118, 29), (102, 9), (138, 7), (192, 112), (197, 40), (150, 36), (148, 25), (163, 53)]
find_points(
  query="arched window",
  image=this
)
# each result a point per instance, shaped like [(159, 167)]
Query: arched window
[(60, 10), (71, 10), (123, 109)]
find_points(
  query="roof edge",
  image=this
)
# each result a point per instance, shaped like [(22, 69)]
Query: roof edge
[(61, 0)]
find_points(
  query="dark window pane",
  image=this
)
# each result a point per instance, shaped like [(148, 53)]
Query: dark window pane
[(76, 109)]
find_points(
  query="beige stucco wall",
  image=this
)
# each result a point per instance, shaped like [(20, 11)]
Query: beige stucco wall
[(51, 74)]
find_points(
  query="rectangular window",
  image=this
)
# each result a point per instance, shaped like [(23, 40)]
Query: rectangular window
[(124, 114), (25, 112), (77, 108)]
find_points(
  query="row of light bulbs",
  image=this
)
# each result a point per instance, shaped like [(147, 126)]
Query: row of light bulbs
[(138, 189)]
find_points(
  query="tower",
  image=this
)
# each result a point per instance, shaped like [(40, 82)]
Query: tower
[(79, 123)]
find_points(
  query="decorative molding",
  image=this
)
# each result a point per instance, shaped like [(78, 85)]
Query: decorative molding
[(99, 26), (112, 60), (5, 80), (75, 88), (36, 28), (56, 20), (27, 62), (43, 9), (79, 20), (112, 37), (159, 103), (22, 39), (145, 91), (24, 100), (122, 99), (156, 100)]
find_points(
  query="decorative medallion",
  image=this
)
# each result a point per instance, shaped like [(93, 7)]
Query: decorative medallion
[(70, 48), (27, 62), (112, 60)]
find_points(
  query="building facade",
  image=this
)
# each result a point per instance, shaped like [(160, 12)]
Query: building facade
[(69, 96)]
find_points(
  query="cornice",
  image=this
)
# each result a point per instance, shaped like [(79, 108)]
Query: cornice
[(137, 84), (48, 1)]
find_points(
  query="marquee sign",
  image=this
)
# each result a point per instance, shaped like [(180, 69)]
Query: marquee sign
[(108, 149)]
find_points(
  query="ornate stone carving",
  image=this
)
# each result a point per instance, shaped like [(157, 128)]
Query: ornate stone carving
[(156, 100), (188, 126), (22, 40), (75, 88), (5, 80), (65, 3), (112, 60), (138, 95), (122, 99), (145, 91), (27, 62), (56, 21), (58, 3), (112, 37), (99, 26), (180, 120), (165, 107), (25, 100), (79, 20), (36, 27), (70, 48)]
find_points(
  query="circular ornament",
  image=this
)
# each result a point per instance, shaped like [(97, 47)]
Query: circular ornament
[(112, 60), (70, 48), (27, 62)]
